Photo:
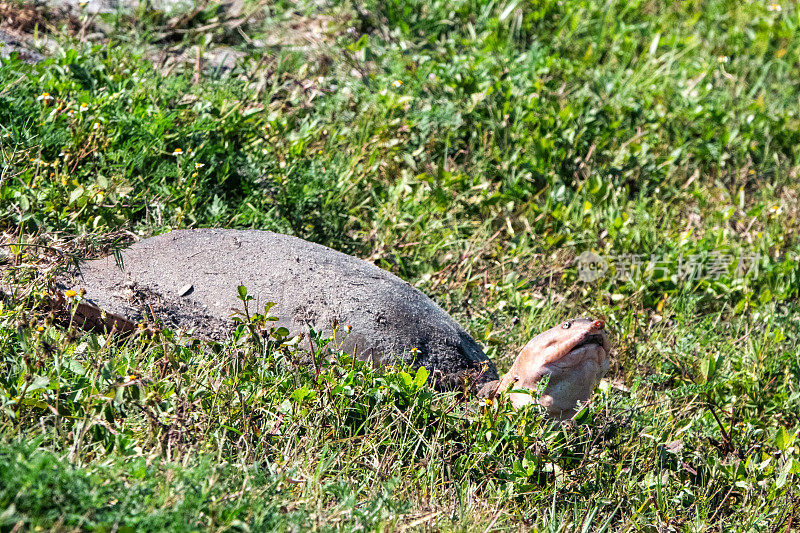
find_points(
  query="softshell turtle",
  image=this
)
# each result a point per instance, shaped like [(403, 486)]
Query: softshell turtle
[(189, 279)]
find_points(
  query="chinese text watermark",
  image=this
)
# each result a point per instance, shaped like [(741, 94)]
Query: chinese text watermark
[(624, 267)]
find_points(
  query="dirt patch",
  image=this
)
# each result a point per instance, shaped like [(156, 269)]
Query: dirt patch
[(300, 32), (231, 32), (20, 19), (114, 6), (15, 44), (27, 18), (20, 23)]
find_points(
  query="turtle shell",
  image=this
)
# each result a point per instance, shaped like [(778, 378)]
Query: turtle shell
[(188, 279)]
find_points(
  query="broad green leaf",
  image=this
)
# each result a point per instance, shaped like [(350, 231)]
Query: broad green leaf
[(300, 394), (407, 379), (784, 474), (74, 366), (76, 193), (421, 377), (38, 383), (784, 439), (708, 367)]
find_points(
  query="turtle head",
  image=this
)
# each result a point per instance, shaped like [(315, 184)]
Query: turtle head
[(574, 356)]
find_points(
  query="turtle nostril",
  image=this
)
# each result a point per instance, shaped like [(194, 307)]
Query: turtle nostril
[(598, 324)]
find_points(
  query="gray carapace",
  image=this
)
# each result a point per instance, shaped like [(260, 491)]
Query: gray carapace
[(188, 279)]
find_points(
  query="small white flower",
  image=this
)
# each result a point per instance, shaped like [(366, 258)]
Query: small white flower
[(397, 83), (84, 106), (774, 7), (96, 126), (44, 96), (177, 151), (723, 59), (199, 165)]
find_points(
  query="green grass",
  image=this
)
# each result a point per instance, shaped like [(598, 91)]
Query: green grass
[(475, 149)]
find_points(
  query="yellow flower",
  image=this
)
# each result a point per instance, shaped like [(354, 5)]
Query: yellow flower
[(177, 151), (488, 401), (40, 329), (194, 174), (70, 294)]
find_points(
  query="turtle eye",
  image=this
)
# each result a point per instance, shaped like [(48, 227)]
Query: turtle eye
[(567, 325)]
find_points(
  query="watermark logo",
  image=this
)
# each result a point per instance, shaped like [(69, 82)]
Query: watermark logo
[(591, 266), (625, 267)]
